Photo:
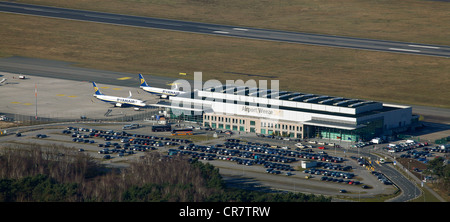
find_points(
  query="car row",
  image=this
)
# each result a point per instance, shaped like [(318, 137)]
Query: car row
[(362, 161), (128, 142), (329, 173), (121, 152), (238, 160), (41, 136), (275, 171), (267, 149), (339, 180), (250, 162), (331, 166), (225, 152), (440, 149), (404, 146), (81, 140), (382, 178), (417, 154), (217, 149)]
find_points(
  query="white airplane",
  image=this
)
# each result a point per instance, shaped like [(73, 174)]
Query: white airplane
[(3, 80), (117, 101), (164, 93)]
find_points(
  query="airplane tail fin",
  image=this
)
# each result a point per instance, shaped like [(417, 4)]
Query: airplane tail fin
[(175, 86), (130, 95), (96, 90), (143, 82)]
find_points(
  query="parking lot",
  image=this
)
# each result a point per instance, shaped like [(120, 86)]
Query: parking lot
[(237, 156)]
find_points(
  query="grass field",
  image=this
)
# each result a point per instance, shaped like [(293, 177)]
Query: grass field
[(389, 77), (420, 21)]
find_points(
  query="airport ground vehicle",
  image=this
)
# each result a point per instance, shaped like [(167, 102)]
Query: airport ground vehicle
[(161, 128), (131, 126), (182, 132)]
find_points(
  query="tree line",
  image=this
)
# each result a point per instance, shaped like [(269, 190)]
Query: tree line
[(440, 168), (37, 173)]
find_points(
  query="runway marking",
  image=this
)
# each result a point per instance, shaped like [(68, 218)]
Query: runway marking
[(124, 78), (406, 50), (15, 102), (161, 23), (221, 32), (65, 95), (425, 46), (104, 87), (240, 29), (116, 88)]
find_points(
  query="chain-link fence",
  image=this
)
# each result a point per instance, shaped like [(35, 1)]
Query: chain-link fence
[(109, 116)]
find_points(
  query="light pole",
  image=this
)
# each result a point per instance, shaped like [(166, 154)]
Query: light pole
[(35, 95)]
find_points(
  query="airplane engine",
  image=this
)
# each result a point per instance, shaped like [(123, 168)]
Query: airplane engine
[(118, 105), (164, 97)]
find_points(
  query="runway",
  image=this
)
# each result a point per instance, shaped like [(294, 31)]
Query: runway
[(228, 31), (68, 71)]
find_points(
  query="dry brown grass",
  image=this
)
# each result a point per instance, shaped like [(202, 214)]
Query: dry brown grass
[(407, 20), (381, 76)]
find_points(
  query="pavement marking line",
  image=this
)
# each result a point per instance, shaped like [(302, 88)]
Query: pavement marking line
[(221, 32), (240, 29), (161, 23), (60, 94), (15, 102), (116, 88), (425, 46), (104, 87), (123, 78), (406, 50), (72, 96)]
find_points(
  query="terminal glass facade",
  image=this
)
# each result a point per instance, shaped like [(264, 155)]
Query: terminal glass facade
[(368, 130), (185, 115)]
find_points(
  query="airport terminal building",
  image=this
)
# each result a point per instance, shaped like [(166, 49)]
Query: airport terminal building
[(290, 114)]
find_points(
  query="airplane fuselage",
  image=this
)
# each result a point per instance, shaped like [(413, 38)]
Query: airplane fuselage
[(120, 100), (160, 91)]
